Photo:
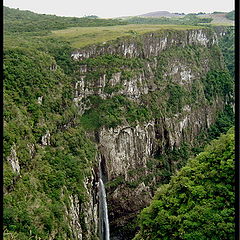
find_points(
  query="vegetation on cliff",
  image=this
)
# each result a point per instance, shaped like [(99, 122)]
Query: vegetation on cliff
[(227, 46), (82, 36), (38, 102), (231, 15), (198, 203), (168, 99)]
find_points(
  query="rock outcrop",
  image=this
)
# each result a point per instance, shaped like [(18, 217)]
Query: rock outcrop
[(149, 44), (13, 159), (82, 216)]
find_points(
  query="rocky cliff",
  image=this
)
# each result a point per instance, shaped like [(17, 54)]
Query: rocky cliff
[(165, 73), (149, 44)]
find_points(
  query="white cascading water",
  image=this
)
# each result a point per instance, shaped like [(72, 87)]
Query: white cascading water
[(103, 211)]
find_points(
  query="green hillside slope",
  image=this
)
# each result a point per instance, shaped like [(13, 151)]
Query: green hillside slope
[(16, 20), (198, 203)]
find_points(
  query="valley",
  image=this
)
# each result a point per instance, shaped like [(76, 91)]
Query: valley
[(104, 123)]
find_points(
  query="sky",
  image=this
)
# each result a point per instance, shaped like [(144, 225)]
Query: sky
[(119, 8)]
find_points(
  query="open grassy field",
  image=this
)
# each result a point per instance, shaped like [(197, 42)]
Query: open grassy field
[(83, 36)]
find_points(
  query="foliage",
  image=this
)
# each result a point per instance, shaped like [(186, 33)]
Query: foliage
[(91, 16), (106, 65), (177, 96), (36, 206), (111, 61), (23, 81), (227, 46), (224, 121), (112, 112), (115, 182), (231, 15), (16, 20), (198, 203), (38, 79), (189, 19), (217, 83), (35, 201)]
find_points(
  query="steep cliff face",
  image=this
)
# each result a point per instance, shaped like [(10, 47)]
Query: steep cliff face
[(82, 217), (126, 147), (167, 73), (149, 44), (148, 47), (127, 152)]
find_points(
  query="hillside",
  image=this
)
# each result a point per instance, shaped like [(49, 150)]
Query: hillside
[(165, 17), (16, 20), (198, 203), (81, 37), (220, 18), (190, 19), (160, 14)]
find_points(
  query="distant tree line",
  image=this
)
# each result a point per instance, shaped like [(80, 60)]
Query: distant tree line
[(16, 20)]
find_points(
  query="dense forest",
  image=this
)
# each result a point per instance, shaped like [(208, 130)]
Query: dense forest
[(16, 20), (50, 147), (198, 202), (189, 19), (28, 75)]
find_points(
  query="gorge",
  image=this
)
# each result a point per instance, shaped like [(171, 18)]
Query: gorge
[(92, 133)]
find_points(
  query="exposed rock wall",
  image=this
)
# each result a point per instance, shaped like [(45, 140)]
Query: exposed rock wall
[(13, 159), (149, 44), (82, 216), (126, 147), (149, 48)]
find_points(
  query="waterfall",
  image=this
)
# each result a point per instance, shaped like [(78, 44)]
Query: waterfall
[(103, 211)]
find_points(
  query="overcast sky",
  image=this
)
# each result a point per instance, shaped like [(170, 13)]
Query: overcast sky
[(119, 8)]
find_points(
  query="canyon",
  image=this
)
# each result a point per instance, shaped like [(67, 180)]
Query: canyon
[(90, 140), (126, 150)]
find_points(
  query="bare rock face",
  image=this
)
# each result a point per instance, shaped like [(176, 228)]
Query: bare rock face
[(74, 215), (147, 47), (90, 209), (129, 147), (124, 146), (39, 100), (82, 216), (13, 159), (127, 203), (46, 138)]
